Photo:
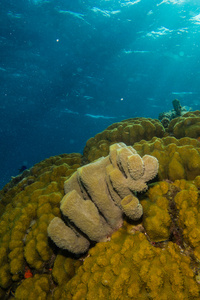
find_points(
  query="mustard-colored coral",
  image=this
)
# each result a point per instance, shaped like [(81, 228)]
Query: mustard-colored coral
[(186, 125), (41, 286), (156, 218), (31, 204), (156, 257), (127, 131), (34, 288), (188, 203), (129, 267), (174, 213), (178, 159), (63, 270)]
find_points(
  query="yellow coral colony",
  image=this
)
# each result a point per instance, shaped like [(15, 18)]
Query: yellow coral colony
[(98, 194), (127, 131)]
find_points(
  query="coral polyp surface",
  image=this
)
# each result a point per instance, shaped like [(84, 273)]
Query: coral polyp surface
[(156, 209), (127, 131), (178, 159), (129, 267), (150, 257), (186, 125), (29, 205), (160, 256), (98, 194)]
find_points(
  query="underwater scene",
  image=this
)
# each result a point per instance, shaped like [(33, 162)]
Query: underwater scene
[(100, 149)]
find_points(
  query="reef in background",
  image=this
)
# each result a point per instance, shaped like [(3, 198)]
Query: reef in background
[(177, 111), (157, 255)]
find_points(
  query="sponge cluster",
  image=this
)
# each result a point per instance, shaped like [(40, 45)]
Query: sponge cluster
[(97, 196)]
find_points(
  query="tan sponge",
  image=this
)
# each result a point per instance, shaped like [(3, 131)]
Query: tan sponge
[(97, 196)]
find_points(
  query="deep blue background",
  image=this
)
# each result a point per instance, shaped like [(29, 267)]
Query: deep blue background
[(65, 67)]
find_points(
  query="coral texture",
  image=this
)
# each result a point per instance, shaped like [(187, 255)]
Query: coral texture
[(127, 131), (34, 288), (186, 125), (178, 159), (156, 258), (129, 267), (156, 212), (187, 202), (40, 286), (30, 204), (159, 256), (97, 195)]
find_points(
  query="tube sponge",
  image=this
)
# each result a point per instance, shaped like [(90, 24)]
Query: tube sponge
[(98, 194), (131, 207), (66, 238), (85, 215), (131, 172), (92, 179)]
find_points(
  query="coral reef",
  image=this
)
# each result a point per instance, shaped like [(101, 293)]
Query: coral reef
[(97, 195), (186, 125), (178, 159), (187, 202), (127, 131), (171, 211), (34, 288), (42, 286), (29, 206), (156, 212), (129, 267), (166, 117), (157, 256)]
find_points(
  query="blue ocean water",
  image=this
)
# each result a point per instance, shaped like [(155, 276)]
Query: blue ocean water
[(70, 68)]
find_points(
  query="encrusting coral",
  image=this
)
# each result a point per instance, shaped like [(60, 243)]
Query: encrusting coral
[(156, 212), (159, 256), (178, 159), (30, 205), (98, 194), (40, 286), (186, 125), (129, 267), (155, 257), (127, 131)]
